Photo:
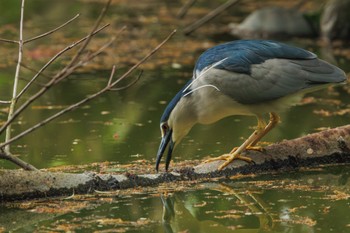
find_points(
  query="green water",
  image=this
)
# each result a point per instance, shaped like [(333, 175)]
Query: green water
[(124, 126)]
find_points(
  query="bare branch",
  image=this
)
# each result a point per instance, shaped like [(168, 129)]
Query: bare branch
[(9, 41), (42, 35), (76, 105), (53, 59), (89, 57), (189, 29), (127, 86), (143, 59), (111, 77), (58, 114), (82, 48), (85, 60), (184, 9), (5, 101), (34, 70), (52, 31), (19, 162), (15, 83), (47, 86)]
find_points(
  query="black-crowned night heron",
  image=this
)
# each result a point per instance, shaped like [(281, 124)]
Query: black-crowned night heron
[(245, 77)]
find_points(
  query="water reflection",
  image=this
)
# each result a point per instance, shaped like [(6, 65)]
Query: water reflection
[(311, 204), (256, 217)]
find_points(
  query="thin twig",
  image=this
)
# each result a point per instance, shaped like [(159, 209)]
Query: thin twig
[(9, 41), (17, 161), (36, 83), (105, 89), (15, 83), (52, 31), (57, 55), (189, 29), (143, 59), (42, 35), (63, 111), (46, 87), (5, 101), (82, 48), (34, 70), (183, 11), (111, 77), (85, 60), (129, 84), (88, 57)]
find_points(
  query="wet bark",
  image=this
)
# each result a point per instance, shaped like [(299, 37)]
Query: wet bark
[(323, 148)]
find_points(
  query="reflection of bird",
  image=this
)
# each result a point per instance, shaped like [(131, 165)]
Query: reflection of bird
[(247, 77)]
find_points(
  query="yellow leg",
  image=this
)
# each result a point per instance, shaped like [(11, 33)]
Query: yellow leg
[(274, 119), (249, 144)]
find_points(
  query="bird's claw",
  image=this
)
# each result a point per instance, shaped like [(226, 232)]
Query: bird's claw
[(232, 157), (255, 148), (229, 158)]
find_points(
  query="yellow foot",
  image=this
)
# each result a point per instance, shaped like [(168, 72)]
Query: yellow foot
[(255, 148), (229, 158)]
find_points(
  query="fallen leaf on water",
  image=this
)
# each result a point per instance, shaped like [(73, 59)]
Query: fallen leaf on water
[(322, 112), (339, 195), (342, 112), (48, 107), (105, 112), (119, 221), (299, 220), (110, 221), (326, 209), (232, 216), (322, 128), (308, 100), (204, 203), (327, 113)]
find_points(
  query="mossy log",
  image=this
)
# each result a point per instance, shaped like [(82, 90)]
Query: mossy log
[(327, 147)]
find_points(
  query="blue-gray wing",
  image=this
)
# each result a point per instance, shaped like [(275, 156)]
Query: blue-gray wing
[(261, 71)]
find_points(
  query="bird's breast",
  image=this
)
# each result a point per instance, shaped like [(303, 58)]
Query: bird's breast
[(211, 106)]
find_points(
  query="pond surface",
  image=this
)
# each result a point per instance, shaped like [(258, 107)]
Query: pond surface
[(123, 127)]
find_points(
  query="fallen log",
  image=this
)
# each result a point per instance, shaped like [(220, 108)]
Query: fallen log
[(327, 147)]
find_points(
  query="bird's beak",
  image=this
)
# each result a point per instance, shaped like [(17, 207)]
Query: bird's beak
[(166, 139)]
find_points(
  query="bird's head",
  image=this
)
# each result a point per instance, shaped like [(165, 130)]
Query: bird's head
[(177, 120)]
